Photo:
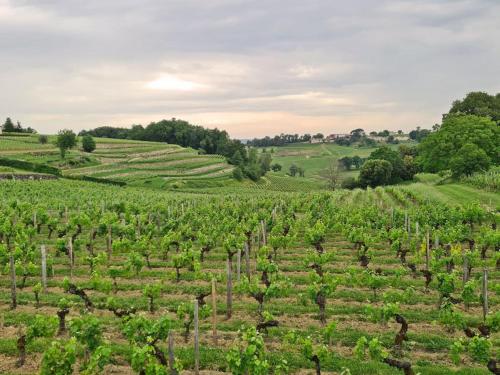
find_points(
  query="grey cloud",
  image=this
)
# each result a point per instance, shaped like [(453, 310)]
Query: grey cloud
[(81, 64)]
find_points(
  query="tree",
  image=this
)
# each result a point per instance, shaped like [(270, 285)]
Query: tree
[(265, 162), (66, 139), (43, 139), (357, 161), (293, 170), (346, 162), (393, 157), (276, 167), (469, 159), (251, 165), (391, 139), (236, 158), (478, 103), (333, 175), (238, 174), (375, 172), (8, 126), (318, 136), (437, 150), (357, 134), (88, 143), (419, 134)]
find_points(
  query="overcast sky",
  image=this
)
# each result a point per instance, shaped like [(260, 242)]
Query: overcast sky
[(253, 68)]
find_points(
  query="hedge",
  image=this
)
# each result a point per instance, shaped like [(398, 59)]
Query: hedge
[(95, 179), (15, 134), (30, 166)]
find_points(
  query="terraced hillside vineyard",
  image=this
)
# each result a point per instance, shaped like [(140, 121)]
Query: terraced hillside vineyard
[(120, 280)]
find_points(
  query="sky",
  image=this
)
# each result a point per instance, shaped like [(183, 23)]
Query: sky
[(252, 68)]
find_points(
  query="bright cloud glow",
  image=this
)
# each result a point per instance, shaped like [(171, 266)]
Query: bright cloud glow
[(172, 83)]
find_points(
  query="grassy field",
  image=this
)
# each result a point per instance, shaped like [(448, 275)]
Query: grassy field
[(316, 158)]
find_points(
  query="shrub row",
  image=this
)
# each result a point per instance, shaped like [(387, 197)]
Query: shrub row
[(30, 166), (96, 179)]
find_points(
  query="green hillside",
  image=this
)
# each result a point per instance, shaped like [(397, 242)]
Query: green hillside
[(133, 162)]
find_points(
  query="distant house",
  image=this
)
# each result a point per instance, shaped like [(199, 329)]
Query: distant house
[(333, 137), (399, 137), (316, 140)]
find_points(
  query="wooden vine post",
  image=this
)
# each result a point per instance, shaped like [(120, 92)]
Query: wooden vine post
[(264, 235), (427, 251), (171, 358), (214, 312), (257, 237), (109, 242), (247, 261), (238, 265), (408, 230), (466, 270), (44, 268), (70, 250), (229, 292), (196, 340), (484, 293), (91, 241), (13, 292)]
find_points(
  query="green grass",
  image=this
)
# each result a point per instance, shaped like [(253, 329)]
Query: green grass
[(316, 158), (456, 193)]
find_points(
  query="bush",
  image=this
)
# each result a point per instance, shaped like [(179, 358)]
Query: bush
[(43, 139), (350, 183), (238, 174), (88, 143), (276, 167), (375, 172)]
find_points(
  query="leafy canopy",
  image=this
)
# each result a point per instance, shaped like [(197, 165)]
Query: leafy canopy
[(439, 149)]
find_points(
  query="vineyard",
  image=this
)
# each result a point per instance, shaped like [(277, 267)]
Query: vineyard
[(102, 279), (139, 163)]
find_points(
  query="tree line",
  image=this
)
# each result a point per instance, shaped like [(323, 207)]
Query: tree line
[(279, 140), (9, 127)]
